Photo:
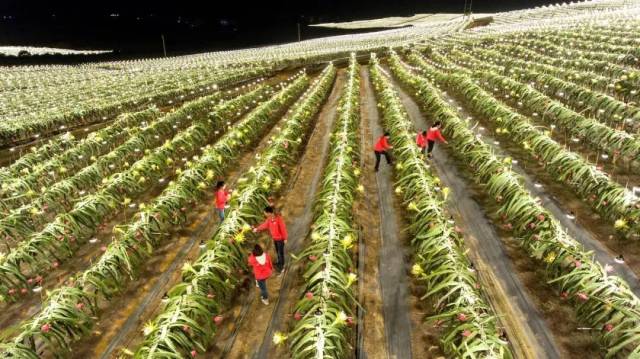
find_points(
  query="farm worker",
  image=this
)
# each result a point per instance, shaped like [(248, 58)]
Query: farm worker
[(262, 268), (421, 141), (381, 148), (278, 231), (434, 135), (222, 197)]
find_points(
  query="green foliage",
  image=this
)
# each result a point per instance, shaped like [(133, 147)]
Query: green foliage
[(323, 327)]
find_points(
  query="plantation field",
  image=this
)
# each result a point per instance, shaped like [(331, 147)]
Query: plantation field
[(518, 238)]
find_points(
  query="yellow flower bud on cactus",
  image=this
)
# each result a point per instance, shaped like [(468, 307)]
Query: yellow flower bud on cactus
[(279, 338), (550, 257), (347, 241), (417, 270), (351, 278), (621, 224), (341, 318), (445, 192)]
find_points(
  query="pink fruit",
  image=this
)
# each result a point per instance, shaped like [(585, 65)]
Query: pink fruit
[(55, 264), (297, 316), (23, 291), (535, 237), (457, 229), (103, 248), (210, 295), (583, 297), (541, 217), (462, 317), (45, 328), (313, 258), (608, 327), (578, 264), (309, 295), (466, 333), (30, 280), (79, 306), (194, 353), (349, 320), (185, 328), (218, 319), (12, 291)]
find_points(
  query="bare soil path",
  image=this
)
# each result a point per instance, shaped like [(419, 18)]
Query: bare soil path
[(371, 319), (394, 263)]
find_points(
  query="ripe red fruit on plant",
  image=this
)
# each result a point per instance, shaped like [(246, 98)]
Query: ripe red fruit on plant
[(541, 217), (194, 353), (349, 320), (218, 319), (297, 316), (313, 258), (12, 291), (466, 333), (309, 295), (55, 264), (23, 290), (80, 306), (608, 327), (185, 328), (583, 297), (462, 317), (45, 328), (578, 264)]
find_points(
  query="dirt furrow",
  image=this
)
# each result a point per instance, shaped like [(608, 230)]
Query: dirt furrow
[(371, 319), (252, 323), (524, 324), (394, 263)]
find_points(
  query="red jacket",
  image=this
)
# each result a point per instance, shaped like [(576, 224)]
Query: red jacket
[(421, 140), (276, 226), (382, 145), (434, 134), (262, 266), (222, 196)]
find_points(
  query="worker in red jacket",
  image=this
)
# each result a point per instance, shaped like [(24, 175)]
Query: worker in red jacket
[(262, 268), (381, 148), (278, 231), (222, 197), (434, 135), (421, 141)]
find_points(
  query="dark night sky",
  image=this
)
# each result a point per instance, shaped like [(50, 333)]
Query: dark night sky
[(191, 26)]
